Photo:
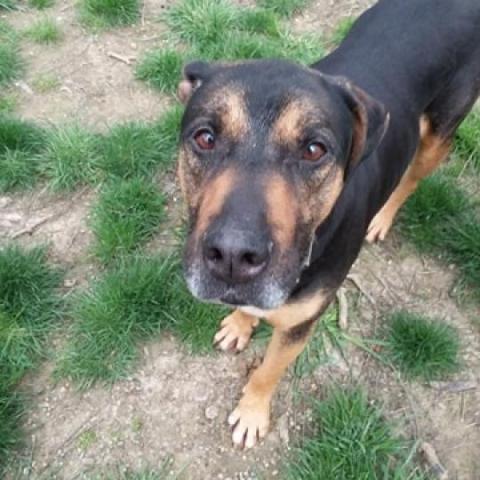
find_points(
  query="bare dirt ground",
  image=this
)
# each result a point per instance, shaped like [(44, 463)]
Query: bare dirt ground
[(175, 405)]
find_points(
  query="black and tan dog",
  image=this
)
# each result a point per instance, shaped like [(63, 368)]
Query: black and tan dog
[(286, 169)]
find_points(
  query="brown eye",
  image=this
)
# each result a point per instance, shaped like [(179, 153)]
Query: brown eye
[(314, 151), (204, 139)]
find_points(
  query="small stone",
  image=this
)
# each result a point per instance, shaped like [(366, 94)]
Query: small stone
[(211, 412)]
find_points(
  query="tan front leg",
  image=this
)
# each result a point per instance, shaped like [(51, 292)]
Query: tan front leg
[(235, 331), (292, 325)]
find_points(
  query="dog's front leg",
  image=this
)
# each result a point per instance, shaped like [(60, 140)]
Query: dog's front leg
[(292, 326)]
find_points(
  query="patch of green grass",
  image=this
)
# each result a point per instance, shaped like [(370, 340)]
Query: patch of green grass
[(18, 170), (139, 298), (285, 8), (8, 4), (260, 21), (126, 306), (10, 420), (45, 30), (422, 348), (342, 30), (41, 4), (16, 134), (8, 103), (161, 69), (131, 150), (201, 22), (441, 219), (194, 323), (467, 139), (10, 62), (109, 13), (125, 216), (352, 441), (86, 439), (44, 83), (29, 307), (20, 141), (428, 214), (167, 130), (70, 157), (239, 45)]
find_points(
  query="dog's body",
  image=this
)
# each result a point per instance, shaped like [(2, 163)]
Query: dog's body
[(286, 169)]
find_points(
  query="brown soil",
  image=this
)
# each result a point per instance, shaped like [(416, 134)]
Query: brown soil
[(175, 405)]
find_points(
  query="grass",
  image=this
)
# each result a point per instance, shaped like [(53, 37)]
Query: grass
[(125, 216), (441, 219), (44, 31), (8, 103), (137, 299), (130, 150), (352, 441), (70, 157), (422, 348), (116, 312), (285, 8), (467, 140), (161, 69), (8, 4), (221, 31), (41, 4), (29, 310), (44, 83), (260, 21), (201, 22), (10, 418), (29, 307), (109, 13), (20, 141), (87, 439), (342, 30), (10, 62)]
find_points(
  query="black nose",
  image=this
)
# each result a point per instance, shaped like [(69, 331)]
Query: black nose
[(235, 257)]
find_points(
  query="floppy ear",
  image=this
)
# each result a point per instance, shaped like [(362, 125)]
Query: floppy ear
[(194, 74), (370, 120)]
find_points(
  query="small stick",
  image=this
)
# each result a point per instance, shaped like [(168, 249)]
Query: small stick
[(121, 58), (431, 458), (342, 309), (31, 229), (354, 279)]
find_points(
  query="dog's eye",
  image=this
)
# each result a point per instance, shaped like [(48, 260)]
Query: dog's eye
[(314, 151), (204, 139)]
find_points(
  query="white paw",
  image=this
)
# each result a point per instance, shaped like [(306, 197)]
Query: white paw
[(250, 422), (379, 227), (234, 334)]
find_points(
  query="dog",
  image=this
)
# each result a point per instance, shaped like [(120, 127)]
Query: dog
[(286, 169)]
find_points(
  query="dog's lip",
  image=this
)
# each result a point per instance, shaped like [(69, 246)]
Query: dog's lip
[(230, 298)]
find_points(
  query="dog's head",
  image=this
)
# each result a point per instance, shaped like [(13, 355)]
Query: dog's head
[(265, 150)]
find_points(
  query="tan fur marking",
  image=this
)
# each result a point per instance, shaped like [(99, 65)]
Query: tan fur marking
[(281, 210), (288, 126), (230, 103), (431, 151), (213, 198)]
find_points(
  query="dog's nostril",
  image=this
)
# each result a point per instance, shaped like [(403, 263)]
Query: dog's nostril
[(214, 254), (252, 259)]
